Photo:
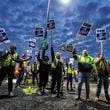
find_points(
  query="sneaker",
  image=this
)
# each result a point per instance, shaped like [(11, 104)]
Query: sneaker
[(96, 99), (42, 93), (88, 99), (10, 94), (58, 96), (52, 95), (67, 89), (77, 98), (39, 93), (108, 99), (61, 93), (18, 87), (71, 89)]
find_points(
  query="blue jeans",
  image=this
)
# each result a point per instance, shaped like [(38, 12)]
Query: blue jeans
[(102, 81), (69, 81), (20, 78), (83, 77)]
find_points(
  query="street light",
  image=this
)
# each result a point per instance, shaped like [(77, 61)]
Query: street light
[(65, 2), (47, 18)]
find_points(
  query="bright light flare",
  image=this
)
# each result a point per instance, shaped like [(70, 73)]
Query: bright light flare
[(65, 2)]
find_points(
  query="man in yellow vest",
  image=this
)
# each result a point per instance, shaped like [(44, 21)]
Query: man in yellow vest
[(85, 65), (103, 71), (8, 67), (70, 73), (34, 70), (56, 71)]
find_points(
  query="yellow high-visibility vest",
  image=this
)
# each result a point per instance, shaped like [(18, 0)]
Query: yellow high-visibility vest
[(70, 71), (54, 63), (13, 63), (88, 59), (24, 64), (7, 61), (33, 67)]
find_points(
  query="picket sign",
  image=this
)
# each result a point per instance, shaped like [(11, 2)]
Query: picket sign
[(83, 32), (101, 37), (71, 60), (32, 42), (43, 43), (50, 24), (69, 47), (29, 52), (39, 32), (84, 29), (3, 36), (63, 47)]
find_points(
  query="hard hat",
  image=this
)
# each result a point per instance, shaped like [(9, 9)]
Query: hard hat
[(23, 55), (84, 52), (57, 55)]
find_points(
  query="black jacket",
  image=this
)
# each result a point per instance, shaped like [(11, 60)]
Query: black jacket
[(44, 67)]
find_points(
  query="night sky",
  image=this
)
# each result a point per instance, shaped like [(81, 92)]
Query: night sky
[(20, 17)]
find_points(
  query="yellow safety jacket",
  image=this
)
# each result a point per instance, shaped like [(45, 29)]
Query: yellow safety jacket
[(24, 65), (34, 67), (54, 63), (103, 66), (88, 59), (15, 56), (70, 71), (8, 61)]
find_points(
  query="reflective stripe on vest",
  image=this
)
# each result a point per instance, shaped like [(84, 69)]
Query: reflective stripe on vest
[(87, 59), (24, 64), (7, 61), (70, 70), (34, 67), (54, 63), (13, 63)]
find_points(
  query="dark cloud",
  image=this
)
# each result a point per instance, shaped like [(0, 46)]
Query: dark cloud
[(88, 10), (101, 22), (19, 18), (104, 11)]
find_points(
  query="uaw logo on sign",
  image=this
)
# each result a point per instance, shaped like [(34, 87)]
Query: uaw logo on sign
[(32, 42), (85, 29), (51, 24), (100, 34), (39, 32), (3, 36)]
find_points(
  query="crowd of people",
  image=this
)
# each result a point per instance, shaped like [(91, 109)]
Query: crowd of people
[(58, 70)]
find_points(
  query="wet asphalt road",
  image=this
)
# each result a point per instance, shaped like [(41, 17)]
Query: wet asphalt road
[(36, 102)]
